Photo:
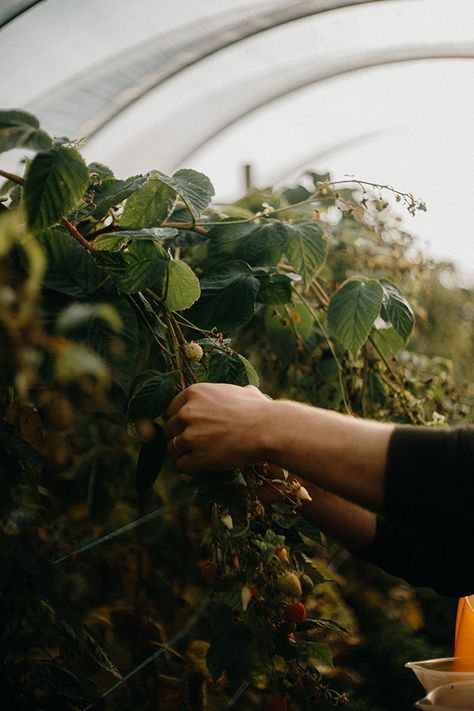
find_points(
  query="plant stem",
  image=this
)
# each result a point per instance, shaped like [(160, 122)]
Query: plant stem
[(397, 387), (187, 226), (177, 353), (333, 353), (147, 322), (77, 235), (11, 176)]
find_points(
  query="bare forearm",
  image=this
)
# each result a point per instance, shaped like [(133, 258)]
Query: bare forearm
[(220, 426), (349, 524), (342, 454)]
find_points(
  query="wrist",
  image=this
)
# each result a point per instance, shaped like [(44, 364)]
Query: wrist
[(271, 435)]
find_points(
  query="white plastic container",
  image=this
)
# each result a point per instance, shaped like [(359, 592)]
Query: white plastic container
[(450, 697), (432, 673)]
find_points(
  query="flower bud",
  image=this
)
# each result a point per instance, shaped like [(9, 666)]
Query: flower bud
[(282, 554), (227, 521), (245, 596), (302, 494)]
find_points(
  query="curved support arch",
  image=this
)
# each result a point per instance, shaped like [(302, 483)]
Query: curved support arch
[(291, 169), (84, 104), (249, 99), (14, 8)]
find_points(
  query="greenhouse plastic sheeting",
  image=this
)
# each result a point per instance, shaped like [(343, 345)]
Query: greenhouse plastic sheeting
[(183, 78), (368, 86)]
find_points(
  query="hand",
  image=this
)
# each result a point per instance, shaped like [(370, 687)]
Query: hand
[(217, 426)]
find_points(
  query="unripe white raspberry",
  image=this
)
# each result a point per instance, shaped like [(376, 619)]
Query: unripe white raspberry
[(193, 351)]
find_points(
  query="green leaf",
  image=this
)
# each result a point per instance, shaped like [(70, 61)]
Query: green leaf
[(111, 193), (322, 623), (195, 189), (114, 241), (283, 326), (78, 315), (55, 184), (16, 446), (227, 298), (227, 368), (71, 269), (252, 375), (183, 287), (387, 341), (140, 265), (353, 310), (314, 650), (19, 129), (103, 171), (17, 117), (151, 395), (275, 289), (258, 245), (117, 346), (147, 207), (77, 360), (150, 460), (229, 652), (306, 249), (396, 310)]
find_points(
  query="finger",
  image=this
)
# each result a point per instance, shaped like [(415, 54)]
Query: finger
[(187, 465), (173, 427), (176, 403), (177, 446)]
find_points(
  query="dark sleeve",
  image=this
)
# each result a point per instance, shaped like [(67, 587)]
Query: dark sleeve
[(427, 534), (434, 559), (429, 478)]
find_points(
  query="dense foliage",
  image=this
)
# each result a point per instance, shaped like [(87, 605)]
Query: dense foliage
[(122, 578)]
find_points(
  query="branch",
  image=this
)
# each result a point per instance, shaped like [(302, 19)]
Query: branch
[(11, 176), (186, 226)]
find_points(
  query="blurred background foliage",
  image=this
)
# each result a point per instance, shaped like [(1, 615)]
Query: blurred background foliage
[(77, 477)]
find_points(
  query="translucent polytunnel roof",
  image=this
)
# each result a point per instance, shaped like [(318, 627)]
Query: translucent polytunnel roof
[(379, 89)]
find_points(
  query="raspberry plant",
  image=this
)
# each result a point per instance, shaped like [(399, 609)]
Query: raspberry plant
[(115, 294)]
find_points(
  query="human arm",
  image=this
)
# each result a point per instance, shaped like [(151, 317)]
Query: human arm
[(436, 559), (219, 426)]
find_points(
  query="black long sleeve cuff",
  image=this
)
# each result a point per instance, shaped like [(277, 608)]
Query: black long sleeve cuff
[(427, 534), (424, 558), (429, 478)]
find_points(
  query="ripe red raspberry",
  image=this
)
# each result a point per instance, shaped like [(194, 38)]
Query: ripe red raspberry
[(295, 612)]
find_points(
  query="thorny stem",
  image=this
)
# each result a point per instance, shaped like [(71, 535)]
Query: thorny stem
[(77, 235), (333, 353), (321, 292), (413, 203), (398, 387), (152, 331), (185, 322), (11, 176), (158, 301), (199, 228), (177, 351), (183, 340)]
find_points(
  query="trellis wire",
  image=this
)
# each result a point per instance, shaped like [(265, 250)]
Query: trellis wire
[(155, 655), (241, 690), (110, 536)]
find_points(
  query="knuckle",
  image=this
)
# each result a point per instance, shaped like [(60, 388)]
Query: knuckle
[(186, 438)]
